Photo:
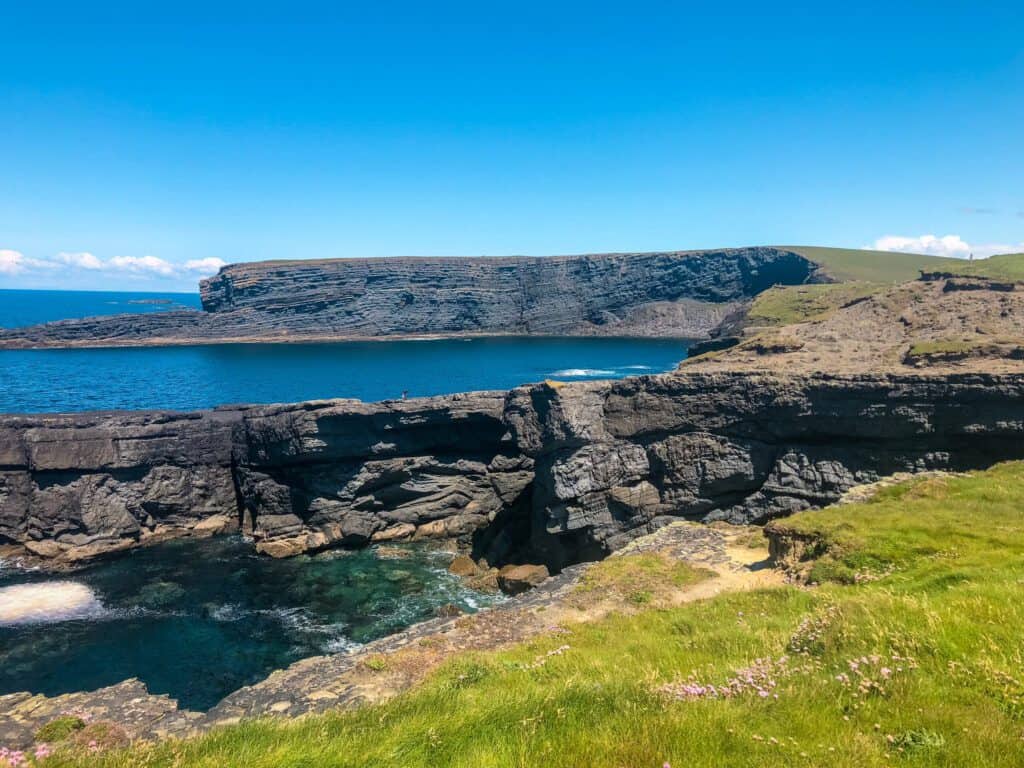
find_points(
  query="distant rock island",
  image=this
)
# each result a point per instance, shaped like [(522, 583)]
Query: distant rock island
[(684, 294)]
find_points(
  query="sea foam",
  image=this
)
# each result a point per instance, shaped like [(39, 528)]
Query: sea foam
[(47, 602), (572, 372)]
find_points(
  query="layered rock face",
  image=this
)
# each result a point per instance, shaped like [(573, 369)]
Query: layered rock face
[(615, 460), (685, 294), (72, 487), (557, 294), (551, 474)]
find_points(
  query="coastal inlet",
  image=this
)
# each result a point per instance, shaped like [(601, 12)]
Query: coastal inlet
[(189, 378), (198, 619)]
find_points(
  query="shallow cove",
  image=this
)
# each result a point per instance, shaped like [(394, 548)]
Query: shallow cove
[(197, 619)]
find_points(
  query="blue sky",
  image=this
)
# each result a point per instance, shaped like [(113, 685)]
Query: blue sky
[(140, 148)]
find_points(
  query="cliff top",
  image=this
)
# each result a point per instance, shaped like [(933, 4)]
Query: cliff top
[(939, 324), (840, 264)]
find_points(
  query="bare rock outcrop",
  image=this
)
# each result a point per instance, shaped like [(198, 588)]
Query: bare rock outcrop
[(542, 474)]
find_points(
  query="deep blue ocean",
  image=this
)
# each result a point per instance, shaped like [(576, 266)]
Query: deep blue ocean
[(32, 307), (184, 378)]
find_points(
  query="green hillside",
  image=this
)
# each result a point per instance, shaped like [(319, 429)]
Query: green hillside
[(1008, 266), (850, 264)]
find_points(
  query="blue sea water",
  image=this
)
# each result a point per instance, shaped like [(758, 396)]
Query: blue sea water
[(185, 378), (31, 307)]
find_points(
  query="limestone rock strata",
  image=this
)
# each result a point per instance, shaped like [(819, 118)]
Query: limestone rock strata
[(680, 293), (542, 474)]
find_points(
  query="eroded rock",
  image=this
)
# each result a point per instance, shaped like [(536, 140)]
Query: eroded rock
[(514, 579)]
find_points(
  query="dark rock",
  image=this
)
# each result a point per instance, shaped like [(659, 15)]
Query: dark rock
[(544, 474), (712, 345)]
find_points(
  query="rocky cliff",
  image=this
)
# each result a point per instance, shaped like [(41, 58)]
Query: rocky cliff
[(685, 294), (550, 473)]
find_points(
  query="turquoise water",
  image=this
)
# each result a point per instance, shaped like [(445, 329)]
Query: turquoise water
[(185, 378), (32, 307), (199, 619)]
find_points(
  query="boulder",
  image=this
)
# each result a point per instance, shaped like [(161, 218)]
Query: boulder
[(463, 565), (514, 579)]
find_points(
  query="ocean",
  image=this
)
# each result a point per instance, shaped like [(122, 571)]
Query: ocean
[(32, 307), (187, 378)]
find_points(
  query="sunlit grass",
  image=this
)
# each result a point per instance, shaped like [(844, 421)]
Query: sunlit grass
[(927, 578), (851, 264), (787, 304)]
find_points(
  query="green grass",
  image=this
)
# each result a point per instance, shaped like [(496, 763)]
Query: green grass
[(937, 350), (850, 265), (786, 304), (926, 580), (944, 347), (847, 264), (1008, 266), (60, 728), (638, 578)]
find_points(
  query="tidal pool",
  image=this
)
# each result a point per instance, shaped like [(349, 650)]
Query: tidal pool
[(197, 619)]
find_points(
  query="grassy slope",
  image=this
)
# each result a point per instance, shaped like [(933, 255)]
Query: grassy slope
[(847, 264), (930, 572), (1009, 266), (785, 304), (862, 273)]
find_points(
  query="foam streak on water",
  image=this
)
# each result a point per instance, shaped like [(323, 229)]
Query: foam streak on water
[(47, 603)]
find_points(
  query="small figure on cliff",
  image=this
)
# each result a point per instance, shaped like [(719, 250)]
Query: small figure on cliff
[(405, 394)]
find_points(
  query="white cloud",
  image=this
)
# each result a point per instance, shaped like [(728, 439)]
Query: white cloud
[(143, 265), (83, 259), (207, 266), (138, 267), (948, 245), (11, 262)]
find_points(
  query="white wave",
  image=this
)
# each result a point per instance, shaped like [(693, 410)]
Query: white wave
[(228, 612), (341, 645), (48, 602), (637, 367), (573, 372)]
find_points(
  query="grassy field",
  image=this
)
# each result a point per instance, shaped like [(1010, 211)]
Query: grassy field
[(848, 264), (851, 265), (908, 653), (785, 304), (1009, 266)]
